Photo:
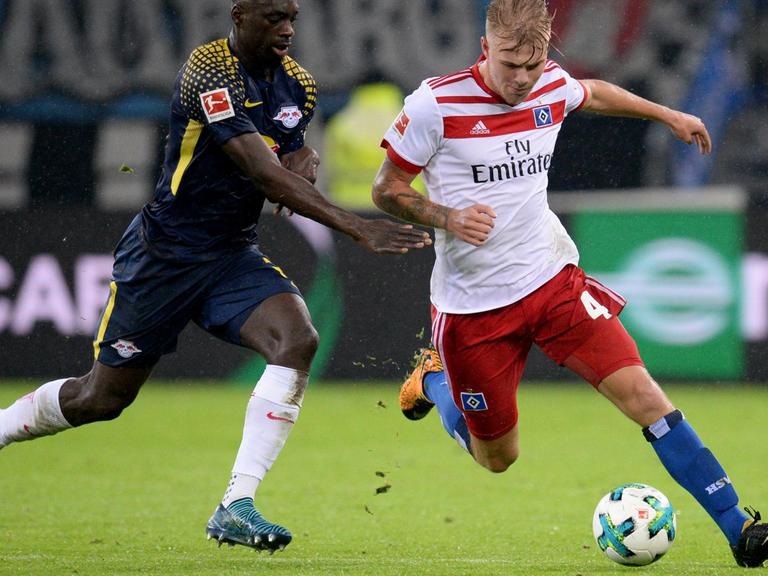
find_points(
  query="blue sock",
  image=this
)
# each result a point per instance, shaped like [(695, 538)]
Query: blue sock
[(437, 390), (697, 470)]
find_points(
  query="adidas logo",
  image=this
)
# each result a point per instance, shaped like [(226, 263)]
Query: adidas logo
[(479, 128)]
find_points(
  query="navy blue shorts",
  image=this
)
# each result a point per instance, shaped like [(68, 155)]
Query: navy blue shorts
[(152, 300)]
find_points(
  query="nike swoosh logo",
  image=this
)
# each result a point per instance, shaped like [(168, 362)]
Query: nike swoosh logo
[(251, 104), (272, 416)]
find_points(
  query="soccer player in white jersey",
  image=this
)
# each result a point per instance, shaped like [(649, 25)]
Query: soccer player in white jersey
[(506, 272)]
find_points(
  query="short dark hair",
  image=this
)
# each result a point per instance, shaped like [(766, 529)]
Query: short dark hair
[(526, 22)]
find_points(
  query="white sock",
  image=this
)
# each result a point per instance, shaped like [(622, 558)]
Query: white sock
[(272, 410), (240, 486), (36, 414)]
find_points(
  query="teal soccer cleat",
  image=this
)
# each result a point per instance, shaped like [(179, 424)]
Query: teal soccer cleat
[(241, 523)]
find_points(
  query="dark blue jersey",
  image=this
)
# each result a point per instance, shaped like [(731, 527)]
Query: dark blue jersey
[(204, 205)]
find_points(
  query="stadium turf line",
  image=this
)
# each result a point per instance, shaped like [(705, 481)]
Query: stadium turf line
[(365, 491)]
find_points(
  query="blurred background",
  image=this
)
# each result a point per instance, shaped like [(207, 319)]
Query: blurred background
[(85, 87)]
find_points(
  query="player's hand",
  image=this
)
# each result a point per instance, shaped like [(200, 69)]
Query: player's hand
[(472, 224), (387, 237), (303, 162), (691, 130)]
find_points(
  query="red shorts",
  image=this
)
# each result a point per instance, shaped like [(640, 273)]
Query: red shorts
[(572, 318)]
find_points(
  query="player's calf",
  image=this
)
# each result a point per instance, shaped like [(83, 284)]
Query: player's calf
[(102, 394)]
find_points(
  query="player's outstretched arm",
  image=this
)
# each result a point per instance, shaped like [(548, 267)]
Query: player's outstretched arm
[(393, 193), (283, 187), (609, 99)]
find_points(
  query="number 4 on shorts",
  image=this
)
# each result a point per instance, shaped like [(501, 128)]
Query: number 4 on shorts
[(593, 307)]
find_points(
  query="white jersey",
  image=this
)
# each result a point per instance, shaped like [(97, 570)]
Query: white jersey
[(474, 148)]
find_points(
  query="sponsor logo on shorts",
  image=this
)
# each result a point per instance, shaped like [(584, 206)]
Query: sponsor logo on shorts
[(125, 348), (542, 115), (290, 116), (217, 105), (473, 402)]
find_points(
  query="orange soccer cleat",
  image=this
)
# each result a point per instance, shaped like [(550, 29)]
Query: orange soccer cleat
[(413, 402)]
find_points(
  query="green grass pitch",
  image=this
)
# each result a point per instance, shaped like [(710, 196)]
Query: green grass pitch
[(132, 496)]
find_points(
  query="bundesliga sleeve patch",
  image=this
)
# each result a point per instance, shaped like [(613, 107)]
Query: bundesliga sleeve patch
[(401, 123), (217, 105)]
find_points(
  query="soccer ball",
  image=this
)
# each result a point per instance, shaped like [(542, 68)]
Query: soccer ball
[(634, 524)]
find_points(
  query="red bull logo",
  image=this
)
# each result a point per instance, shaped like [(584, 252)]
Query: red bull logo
[(125, 348), (290, 116)]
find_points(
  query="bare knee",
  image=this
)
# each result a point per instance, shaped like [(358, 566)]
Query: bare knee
[(497, 465), (96, 397), (87, 401), (280, 329), (109, 403), (497, 461), (299, 347)]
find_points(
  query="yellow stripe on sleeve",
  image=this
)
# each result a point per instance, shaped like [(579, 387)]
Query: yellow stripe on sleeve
[(105, 319), (188, 143)]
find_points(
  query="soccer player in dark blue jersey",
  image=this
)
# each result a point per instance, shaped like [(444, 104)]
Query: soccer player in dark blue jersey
[(240, 108)]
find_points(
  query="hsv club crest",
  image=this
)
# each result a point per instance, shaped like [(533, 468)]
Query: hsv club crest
[(473, 401), (542, 116)]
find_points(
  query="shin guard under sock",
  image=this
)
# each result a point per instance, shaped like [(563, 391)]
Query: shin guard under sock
[(697, 470)]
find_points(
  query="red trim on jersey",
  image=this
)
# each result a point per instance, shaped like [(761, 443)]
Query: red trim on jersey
[(480, 82), (446, 77), (449, 79), (546, 88), (398, 160), (466, 100), (498, 124), (497, 99), (584, 101)]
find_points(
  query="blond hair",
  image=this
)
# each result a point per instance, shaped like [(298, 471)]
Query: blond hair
[(525, 22)]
